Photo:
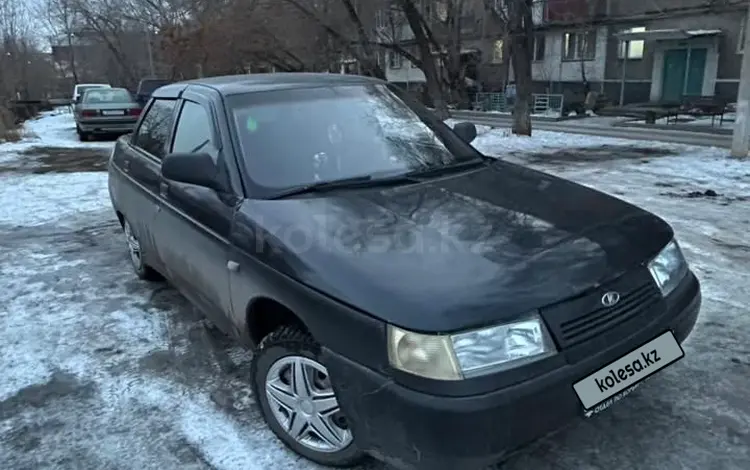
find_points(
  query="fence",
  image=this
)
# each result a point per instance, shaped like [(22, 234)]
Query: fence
[(541, 103)]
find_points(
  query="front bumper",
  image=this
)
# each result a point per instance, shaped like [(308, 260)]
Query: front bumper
[(414, 430)]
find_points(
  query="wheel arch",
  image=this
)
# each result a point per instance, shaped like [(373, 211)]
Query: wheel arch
[(264, 314)]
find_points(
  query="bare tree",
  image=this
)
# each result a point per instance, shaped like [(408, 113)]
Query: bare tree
[(517, 16), (61, 18), (22, 66), (366, 41)]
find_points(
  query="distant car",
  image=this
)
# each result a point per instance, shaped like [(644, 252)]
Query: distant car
[(407, 297), (147, 86), (79, 89), (110, 111)]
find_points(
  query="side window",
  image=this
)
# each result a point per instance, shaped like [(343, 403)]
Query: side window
[(193, 133), (153, 133)]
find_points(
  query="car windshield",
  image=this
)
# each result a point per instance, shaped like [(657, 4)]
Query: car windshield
[(298, 137), (107, 95)]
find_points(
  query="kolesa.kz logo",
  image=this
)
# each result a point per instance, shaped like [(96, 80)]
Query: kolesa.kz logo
[(605, 386), (616, 377)]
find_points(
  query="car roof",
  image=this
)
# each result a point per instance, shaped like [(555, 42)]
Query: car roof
[(252, 83), (94, 84)]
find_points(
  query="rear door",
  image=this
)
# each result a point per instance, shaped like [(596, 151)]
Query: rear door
[(192, 229), (140, 163)]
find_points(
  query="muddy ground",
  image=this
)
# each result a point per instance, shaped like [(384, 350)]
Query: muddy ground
[(40, 160)]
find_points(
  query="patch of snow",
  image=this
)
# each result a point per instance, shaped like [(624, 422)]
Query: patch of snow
[(550, 113), (43, 198), (57, 129), (227, 446), (501, 141)]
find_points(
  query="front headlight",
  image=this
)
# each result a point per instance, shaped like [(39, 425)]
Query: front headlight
[(668, 268), (472, 353), (429, 356)]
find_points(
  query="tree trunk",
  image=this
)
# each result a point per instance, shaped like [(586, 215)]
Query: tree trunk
[(71, 50), (521, 32), (429, 68)]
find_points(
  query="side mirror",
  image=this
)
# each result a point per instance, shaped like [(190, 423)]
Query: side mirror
[(192, 168), (467, 131)]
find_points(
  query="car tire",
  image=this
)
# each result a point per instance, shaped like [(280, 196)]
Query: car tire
[(280, 355), (83, 136), (142, 270)]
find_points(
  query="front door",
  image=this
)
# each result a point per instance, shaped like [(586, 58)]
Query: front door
[(695, 71), (673, 78), (194, 224)]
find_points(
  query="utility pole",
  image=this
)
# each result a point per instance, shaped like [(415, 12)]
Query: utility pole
[(150, 52), (741, 134)]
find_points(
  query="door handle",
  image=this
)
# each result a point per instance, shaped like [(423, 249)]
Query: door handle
[(233, 266), (163, 189)]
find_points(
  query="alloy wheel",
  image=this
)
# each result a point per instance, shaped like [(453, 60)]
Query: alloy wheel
[(303, 402), (134, 247)]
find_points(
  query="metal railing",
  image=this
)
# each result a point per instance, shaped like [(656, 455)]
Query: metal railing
[(541, 104)]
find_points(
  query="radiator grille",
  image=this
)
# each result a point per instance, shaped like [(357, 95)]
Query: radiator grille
[(605, 318), (582, 319)]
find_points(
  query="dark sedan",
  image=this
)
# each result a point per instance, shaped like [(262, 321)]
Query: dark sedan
[(405, 296), (106, 111)]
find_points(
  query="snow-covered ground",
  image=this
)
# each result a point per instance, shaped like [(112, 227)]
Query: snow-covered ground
[(99, 370)]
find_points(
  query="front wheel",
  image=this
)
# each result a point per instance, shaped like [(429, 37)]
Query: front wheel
[(297, 401)]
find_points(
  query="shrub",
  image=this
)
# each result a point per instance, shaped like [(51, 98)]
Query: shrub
[(9, 131)]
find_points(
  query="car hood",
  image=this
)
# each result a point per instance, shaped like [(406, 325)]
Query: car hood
[(458, 252)]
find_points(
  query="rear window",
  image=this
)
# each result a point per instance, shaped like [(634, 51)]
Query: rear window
[(82, 89), (107, 95)]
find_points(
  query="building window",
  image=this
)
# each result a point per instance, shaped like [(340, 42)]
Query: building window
[(539, 47), (579, 45), (497, 51), (741, 40), (381, 19), (633, 49), (395, 60)]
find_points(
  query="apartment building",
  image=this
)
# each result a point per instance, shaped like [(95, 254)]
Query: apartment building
[(635, 51)]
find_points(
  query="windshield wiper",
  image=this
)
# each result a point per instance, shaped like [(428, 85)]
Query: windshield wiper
[(363, 181), (447, 169)]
